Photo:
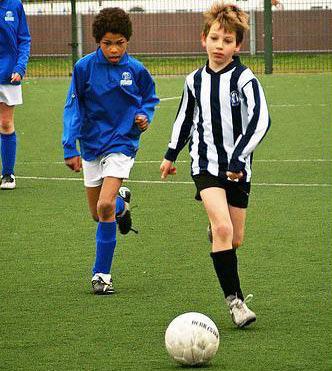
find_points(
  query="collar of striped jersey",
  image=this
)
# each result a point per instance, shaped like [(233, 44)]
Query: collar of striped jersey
[(235, 62)]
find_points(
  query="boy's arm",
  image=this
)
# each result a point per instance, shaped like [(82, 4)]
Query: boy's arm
[(259, 124), (182, 125), (149, 97), (72, 116), (23, 44)]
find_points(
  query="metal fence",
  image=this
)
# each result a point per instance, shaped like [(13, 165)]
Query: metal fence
[(285, 35)]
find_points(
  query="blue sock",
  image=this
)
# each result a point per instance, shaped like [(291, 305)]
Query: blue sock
[(120, 205), (8, 152), (105, 246)]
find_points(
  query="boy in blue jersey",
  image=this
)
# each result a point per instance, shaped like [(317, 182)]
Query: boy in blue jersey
[(224, 116), (14, 54), (111, 101)]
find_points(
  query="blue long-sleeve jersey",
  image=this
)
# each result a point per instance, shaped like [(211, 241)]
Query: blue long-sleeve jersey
[(15, 40), (102, 102)]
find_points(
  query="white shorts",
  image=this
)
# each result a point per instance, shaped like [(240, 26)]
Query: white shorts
[(11, 94), (116, 165)]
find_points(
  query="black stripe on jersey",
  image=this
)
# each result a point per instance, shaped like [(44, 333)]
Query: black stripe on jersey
[(186, 125), (180, 105), (202, 147), (236, 108), (187, 122), (217, 124), (253, 122)]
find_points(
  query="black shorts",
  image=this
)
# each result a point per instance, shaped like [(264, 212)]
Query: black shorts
[(237, 193)]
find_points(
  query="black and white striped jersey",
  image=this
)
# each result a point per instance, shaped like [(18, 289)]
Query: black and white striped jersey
[(224, 116)]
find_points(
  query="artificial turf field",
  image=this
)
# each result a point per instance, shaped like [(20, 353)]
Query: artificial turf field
[(49, 320)]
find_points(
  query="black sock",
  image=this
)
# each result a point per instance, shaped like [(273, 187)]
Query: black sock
[(225, 265)]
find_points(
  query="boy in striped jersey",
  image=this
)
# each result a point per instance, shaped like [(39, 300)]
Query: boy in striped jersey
[(223, 114)]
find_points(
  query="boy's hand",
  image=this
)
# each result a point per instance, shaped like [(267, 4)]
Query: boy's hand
[(16, 77), (142, 122), (74, 163), (167, 168), (234, 177)]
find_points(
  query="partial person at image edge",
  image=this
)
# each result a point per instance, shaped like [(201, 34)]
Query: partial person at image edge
[(15, 43)]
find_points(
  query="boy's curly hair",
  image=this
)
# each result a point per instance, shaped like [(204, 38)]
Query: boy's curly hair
[(229, 16), (114, 20)]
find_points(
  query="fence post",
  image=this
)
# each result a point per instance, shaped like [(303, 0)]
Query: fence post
[(252, 25), (268, 46), (74, 41), (79, 36)]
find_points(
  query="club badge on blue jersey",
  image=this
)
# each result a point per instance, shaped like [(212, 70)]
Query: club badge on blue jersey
[(126, 79), (9, 17)]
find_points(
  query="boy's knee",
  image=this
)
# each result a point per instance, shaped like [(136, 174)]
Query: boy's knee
[(105, 208), (223, 230), (7, 126)]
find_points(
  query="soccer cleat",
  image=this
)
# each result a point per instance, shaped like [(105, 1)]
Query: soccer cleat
[(209, 233), (125, 194), (8, 181), (124, 219), (241, 315), (102, 284)]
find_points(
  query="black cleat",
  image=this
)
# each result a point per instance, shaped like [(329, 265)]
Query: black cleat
[(124, 219), (125, 194)]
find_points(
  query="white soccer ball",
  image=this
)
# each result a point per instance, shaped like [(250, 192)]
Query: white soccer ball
[(192, 339)]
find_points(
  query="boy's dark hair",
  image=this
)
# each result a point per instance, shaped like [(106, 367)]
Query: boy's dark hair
[(114, 20), (230, 17)]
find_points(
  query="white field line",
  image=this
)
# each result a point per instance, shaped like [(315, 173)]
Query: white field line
[(178, 182), (169, 98), (270, 105), (257, 160), (178, 162)]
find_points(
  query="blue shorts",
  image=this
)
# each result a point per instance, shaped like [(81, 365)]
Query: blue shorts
[(237, 193)]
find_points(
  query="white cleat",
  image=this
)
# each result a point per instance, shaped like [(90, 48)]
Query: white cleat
[(8, 181), (241, 315), (102, 284)]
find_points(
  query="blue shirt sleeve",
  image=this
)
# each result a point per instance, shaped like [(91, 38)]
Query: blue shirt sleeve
[(149, 97), (72, 116), (23, 44)]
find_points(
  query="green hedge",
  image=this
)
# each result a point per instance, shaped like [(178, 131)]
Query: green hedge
[(282, 63)]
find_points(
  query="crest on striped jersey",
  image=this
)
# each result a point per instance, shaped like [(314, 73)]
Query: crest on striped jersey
[(235, 100)]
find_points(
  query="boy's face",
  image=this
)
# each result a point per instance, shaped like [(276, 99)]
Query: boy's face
[(113, 46), (220, 46)]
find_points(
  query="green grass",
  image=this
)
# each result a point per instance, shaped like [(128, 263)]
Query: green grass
[(282, 63), (51, 321)]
